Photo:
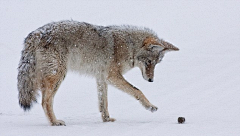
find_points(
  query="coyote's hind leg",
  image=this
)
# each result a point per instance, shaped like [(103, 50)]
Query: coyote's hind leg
[(52, 70), (50, 88)]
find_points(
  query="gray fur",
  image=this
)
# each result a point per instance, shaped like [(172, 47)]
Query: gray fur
[(102, 52), (27, 77)]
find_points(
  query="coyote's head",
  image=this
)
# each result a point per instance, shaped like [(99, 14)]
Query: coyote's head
[(151, 53)]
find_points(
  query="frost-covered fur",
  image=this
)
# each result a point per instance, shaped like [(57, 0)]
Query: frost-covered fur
[(105, 53)]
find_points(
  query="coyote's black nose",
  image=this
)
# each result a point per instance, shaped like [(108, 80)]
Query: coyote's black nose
[(150, 80)]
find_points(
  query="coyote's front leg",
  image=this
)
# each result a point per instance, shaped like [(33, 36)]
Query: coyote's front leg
[(103, 100), (116, 79)]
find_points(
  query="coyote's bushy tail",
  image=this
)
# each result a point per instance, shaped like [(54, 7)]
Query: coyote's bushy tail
[(27, 75)]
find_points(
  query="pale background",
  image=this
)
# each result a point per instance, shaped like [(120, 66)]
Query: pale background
[(201, 82)]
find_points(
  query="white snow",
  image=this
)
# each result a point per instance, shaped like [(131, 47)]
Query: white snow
[(201, 82)]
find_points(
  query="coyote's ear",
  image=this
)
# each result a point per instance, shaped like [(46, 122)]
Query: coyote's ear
[(159, 45), (156, 48), (168, 46)]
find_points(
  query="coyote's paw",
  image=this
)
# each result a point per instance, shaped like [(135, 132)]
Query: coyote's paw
[(109, 119), (152, 108), (58, 123)]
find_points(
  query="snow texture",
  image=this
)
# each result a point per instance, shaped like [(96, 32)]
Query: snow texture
[(200, 82)]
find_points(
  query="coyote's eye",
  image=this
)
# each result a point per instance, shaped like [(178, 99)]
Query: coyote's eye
[(148, 62)]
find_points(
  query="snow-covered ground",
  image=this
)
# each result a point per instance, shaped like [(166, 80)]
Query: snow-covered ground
[(201, 82)]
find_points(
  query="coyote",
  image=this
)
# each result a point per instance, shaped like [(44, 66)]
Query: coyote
[(105, 53)]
